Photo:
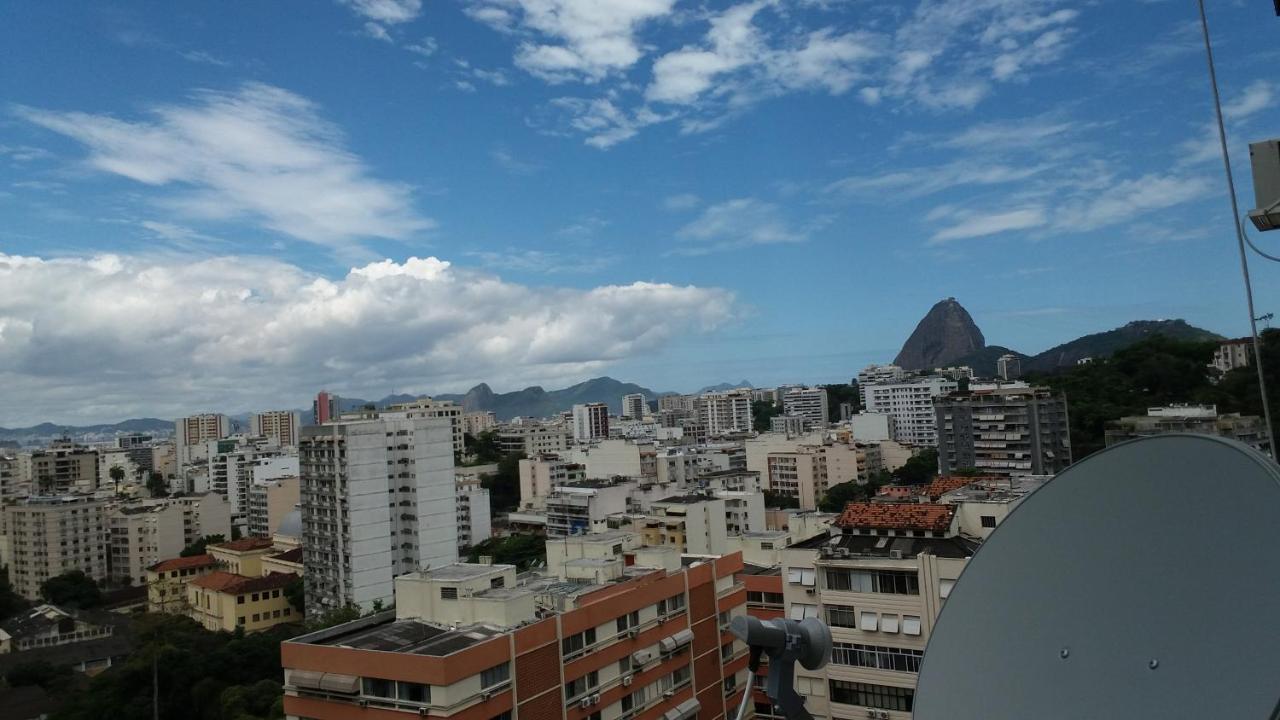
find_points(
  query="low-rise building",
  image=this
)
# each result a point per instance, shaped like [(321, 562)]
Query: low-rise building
[(693, 524), (1202, 419), (540, 474), (167, 581), (1232, 354), (46, 626), (226, 601)]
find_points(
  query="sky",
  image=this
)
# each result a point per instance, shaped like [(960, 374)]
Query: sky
[(231, 205)]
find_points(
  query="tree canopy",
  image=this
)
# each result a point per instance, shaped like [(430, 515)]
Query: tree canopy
[(198, 547), (519, 550), (504, 485), (762, 411), (71, 589)]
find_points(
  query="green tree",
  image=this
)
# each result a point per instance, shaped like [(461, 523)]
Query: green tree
[(483, 446), (504, 485), (156, 485), (919, 469), (519, 550), (37, 672), (336, 616), (840, 495), (295, 593), (11, 603), (250, 702), (198, 547), (762, 411), (117, 474), (839, 394), (779, 500), (71, 589)]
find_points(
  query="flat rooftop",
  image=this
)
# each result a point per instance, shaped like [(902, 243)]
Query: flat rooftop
[(414, 637), (883, 546), (461, 571)]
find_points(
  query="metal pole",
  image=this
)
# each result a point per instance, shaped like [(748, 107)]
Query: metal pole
[(1235, 217)]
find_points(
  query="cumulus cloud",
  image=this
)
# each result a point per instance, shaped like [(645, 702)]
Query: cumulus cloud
[(564, 40), (113, 336), (259, 152)]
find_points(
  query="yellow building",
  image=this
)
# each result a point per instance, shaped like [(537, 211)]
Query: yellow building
[(243, 556), (167, 581), (226, 601)]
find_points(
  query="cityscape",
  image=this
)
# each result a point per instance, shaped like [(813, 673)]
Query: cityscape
[(638, 359)]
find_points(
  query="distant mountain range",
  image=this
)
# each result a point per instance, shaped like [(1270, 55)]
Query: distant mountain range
[(42, 433), (947, 336)]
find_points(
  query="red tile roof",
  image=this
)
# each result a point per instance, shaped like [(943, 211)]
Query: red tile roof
[(246, 544), (233, 584), (184, 563), (292, 556), (897, 516), (943, 485)]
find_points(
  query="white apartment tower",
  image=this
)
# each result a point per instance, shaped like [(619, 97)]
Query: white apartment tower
[(807, 403), (634, 406), (590, 422), (279, 425), (911, 405), (192, 433), (425, 407), (378, 500), (725, 412)]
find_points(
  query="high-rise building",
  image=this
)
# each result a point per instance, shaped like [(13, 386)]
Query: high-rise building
[(142, 533), (910, 404), (325, 408), (235, 463), (533, 439), (192, 434), (725, 412), (611, 635), (474, 423), (425, 407), (279, 425), (877, 375), (62, 468), (52, 535), (1004, 431), (809, 403), (378, 500), (475, 518), (590, 422), (1009, 367), (270, 500), (634, 406)]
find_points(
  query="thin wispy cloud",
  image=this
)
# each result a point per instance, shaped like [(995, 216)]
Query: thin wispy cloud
[(259, 152), (735, 224)]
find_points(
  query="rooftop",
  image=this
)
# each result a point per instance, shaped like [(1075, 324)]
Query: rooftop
[(246, 544), (878, 546), (184, 563), (233, 584), (943, 485), (291, 556), (896, 516), (689, 499), (385, 633), (462, 571)]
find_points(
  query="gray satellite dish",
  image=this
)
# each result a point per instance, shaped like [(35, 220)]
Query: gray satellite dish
[(1143, 582)]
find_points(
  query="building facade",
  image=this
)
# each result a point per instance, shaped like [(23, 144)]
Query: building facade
[(809, 404), (1205, 419), (62, 468), (1233, 354), (270, 501), (590, 422), (378, 500), (49, 536), (191, 435), (1004, 431), (280, 426), (877, 375), (725, 413), (1009, 367), (911, 405), (634, 406)]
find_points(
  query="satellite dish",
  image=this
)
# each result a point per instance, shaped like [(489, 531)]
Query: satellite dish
[(1143, 581)]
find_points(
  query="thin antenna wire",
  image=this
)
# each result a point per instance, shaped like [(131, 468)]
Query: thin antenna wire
[(1235, 216)]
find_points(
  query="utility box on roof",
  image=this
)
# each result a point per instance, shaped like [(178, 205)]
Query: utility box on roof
[(1265, 159)]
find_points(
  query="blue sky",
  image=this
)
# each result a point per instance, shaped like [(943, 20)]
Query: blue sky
[(231, 205)]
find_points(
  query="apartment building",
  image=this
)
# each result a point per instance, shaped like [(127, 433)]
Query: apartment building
[(167, 581), (270, 500), (192, 435), (425, 407), (475, 518), (1004, 431), (635, 406), (808, 471), (1204, 419), (809, 404), (1009, 367), (279, 426), (725, 413), (590, 422), (584, 507), (378, 500), (1232, 354), (607, 639), (879, 583), (877, 375), (52, 535), (139, 535), (540, 474), (236, 463), (680, 403), (533, 439), (474, 423), (694, 524), (61, 469), (325, 408), (911, 405), (10, 487)]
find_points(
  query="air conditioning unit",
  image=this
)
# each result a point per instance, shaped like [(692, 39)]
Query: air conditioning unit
[(626, 680), (486, 695), (810, 591), (895, 554), (641, 657), (595, 698), (633, 633), (669, 694), (586, 703)]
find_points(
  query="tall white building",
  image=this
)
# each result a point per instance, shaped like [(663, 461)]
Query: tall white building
[(279, 425), (192, 434), (378, 500), (49, 536), (634, 406), (590, 422), (876, 375), (910, 404), (725, 412), (423, 407), (234, 465), (807, 403)]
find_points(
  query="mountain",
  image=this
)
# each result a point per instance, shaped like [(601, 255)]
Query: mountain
[(725, 386), (1104, 344), (44, 432), (945, 335), (536, 402), (983, 361)]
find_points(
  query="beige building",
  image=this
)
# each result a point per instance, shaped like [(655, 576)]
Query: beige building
[(725, 413), (533, 439), (144, 532), (693, 524), (192, 435), (474, 423), (807, 472), (425, 407), (281, 426), (50, 536), (63, 468), (167, 581), (540, 474), (269, 502), (223, 601)]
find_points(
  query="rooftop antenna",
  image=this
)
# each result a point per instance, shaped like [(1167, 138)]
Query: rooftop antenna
[(1100, 595)]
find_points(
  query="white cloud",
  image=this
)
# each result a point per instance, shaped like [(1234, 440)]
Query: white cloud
[(542, 262), (93, 338), (377, 32), (23, 153), (683, 201), (585, 40), (493, 77), (391, 12), (966, 225), (1127, 200), (426, 47), (738, 223), (204, 58), (921, 181), (1009, 134), (1256, 97), (258, 152), (508, 161)]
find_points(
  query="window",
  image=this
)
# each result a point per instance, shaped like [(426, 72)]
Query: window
[(807, 578), (671, 604), (495, 675), (239, 599), (763, 598), (377, 687), (413, 692), (766, 546), (628, 621), (872, 696), (874, 656), (794, 574), (574, 644), (497, 582), (448, 593), (911, 624), (275, 614), (275, 593), (944, 588), (840, 616), (257, 617), (581, 686), (240, 620), (897, 582), (255, 597), (624, 665), (889, 623), (988, 521), (800, 611)]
